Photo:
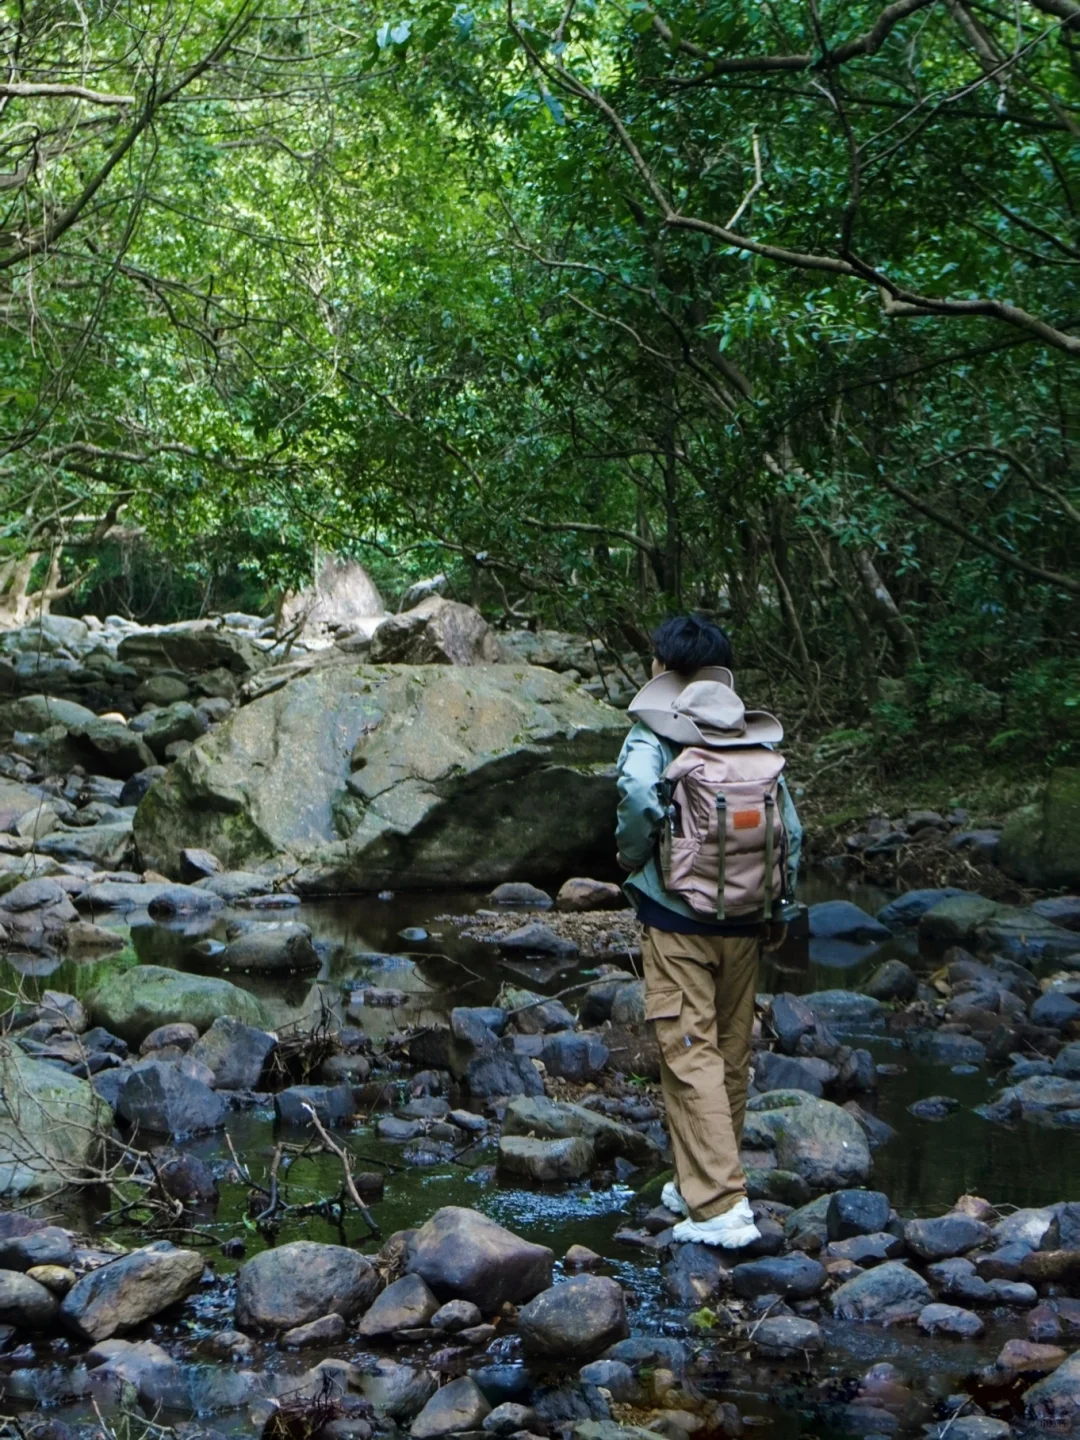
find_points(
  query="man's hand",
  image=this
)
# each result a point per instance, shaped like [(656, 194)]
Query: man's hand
[(775, 935), (624, 864)]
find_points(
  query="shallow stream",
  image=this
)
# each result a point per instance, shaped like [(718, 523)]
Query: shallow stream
[(924, 1169)]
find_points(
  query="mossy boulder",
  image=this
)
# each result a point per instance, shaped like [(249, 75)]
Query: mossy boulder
[(362, 777), (132, 1002), (50, 1124), (1040, 844)]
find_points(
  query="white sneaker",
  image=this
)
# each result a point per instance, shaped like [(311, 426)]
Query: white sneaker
[(673, 1201), (731, 1231)]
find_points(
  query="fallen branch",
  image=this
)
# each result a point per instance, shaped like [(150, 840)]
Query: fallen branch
[(346, 1164)]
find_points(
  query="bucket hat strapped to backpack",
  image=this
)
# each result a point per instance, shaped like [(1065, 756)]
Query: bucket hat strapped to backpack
[(722, 842), (703, 709)]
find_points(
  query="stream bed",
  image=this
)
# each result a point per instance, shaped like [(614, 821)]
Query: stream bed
[(923, 1169)]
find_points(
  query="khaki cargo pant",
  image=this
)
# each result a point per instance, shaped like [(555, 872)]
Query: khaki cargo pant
[(699, 991)]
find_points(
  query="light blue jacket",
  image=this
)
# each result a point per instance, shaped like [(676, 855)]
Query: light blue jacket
[(644, 758)]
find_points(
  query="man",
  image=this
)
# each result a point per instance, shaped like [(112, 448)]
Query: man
[(700, 972)]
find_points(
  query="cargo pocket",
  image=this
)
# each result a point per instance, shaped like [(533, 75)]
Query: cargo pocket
[(664, 1004)]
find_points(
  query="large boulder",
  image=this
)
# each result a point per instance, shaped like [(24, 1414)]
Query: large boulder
[(344, 598), (191, 645), (50, 1124), (292, 1284), (461, 1254), (1040, 844), (124, 1293), (396, 776), (580, 1317), (435, 632), (133, 1002), (814, 1138)]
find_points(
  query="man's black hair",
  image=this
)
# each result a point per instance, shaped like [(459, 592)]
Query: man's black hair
[(687, 642)]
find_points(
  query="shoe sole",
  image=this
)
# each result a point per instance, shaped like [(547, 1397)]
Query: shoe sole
[(737, 1240)]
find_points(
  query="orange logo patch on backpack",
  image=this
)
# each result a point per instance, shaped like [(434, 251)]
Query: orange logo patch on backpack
[(746, 819)]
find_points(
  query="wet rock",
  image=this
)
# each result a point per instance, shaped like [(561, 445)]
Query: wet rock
[(841, 920), (573, 1055), (510, 1419), (407, 1304), (462, 1254), (908, 909), (131, 1003), (398, 1131), (553, 1120), (1003, 1263), (886, 1295), (398, 1391), (1013, 1292), (58, 1279), (694, 1274), (160, 1098), (1060, 1267), (783, 1072), (582, 1317), (48, 1246), (957, 1279), (333, 1104), (324, 1331), (614, 1377), (948, 1048), (537, 939), (1054, 1403), (179, 1035), (934, 1107), (236, 1053), (458, 1406), (783, 1187), (1063, 910), (544, 1161), (1023, 1357), (794, 1277), (197, 864), (1050, 1098), (1054, 1010), (846, 1009), (185, 1177), (170, 900), (781, 1336), (583, 895), (894, 980), (813, 1138), (456, 1315), (971, 1427), (296, 1283), (580, 1257), (856, 1212), (24, 1303), (791, 1018), (121, 1295), (877, 1132), (285, 947), (502, 1074), (628, 1004), (937, 1319), (945, 1236), (522, 894)]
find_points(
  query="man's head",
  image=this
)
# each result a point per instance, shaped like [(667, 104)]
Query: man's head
[(686, 643)]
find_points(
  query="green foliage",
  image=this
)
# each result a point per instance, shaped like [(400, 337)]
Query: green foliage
[(447, 294)]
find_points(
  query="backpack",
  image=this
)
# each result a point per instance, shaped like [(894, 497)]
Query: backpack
[(737, 787)]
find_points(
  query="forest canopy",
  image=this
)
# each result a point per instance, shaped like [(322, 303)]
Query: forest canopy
[(604, 308)]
